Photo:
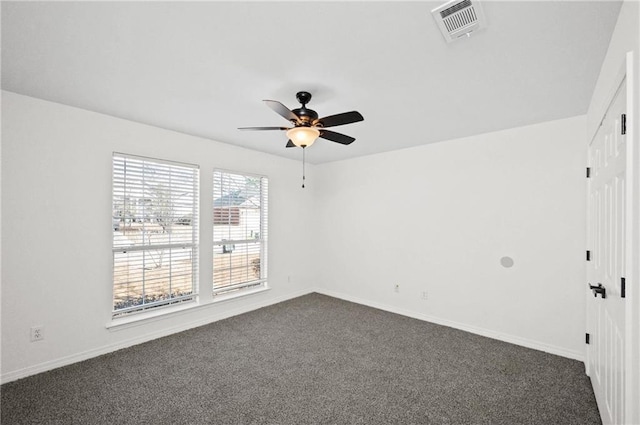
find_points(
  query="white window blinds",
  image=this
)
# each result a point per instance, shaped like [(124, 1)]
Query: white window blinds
[(239, 231), (155, 233)]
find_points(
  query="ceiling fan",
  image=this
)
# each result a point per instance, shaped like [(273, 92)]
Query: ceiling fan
[(307, 127)]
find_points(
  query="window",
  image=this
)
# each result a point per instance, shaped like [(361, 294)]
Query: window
[(239, 231), (155, 233)]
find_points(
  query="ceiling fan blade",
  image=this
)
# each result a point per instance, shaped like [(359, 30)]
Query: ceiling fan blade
[(282, 110), (290, 144), (340, 119), (263, 128), (336, 137)]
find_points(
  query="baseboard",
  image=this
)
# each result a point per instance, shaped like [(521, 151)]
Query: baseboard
[(536, 345), (85, 355)]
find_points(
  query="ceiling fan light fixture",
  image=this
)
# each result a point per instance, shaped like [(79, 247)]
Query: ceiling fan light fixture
[(303, 136)]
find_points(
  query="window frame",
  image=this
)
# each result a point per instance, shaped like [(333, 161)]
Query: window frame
[(228, 245), (122, 248)]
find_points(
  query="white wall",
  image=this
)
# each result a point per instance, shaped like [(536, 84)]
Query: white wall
[(438, 218), (626, 38), (56, 236)]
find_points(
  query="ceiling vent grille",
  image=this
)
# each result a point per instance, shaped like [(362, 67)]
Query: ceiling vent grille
[(457, 18)]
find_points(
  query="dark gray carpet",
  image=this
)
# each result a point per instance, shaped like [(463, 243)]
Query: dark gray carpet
[(311, 360)]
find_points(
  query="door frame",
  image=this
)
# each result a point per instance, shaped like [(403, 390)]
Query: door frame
[(632, 241), (632, 350)]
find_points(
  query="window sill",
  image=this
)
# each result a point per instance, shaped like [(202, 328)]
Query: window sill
[(165, 312), (227, 297)]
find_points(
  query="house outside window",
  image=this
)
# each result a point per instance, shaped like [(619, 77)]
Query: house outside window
[(239, 231), (155, 233)]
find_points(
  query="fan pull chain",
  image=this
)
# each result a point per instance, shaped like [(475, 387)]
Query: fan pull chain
[(303, 166)]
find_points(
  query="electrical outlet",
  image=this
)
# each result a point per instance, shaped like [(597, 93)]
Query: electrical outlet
[(425, 295), (396, 288), (37, 333)]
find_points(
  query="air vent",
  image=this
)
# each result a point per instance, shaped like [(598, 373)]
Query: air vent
[(458, 18)]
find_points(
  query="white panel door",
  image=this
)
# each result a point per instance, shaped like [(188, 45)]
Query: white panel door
[(606, 266)]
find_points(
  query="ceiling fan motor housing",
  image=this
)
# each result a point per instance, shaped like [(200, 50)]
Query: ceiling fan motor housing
[(307, 116)]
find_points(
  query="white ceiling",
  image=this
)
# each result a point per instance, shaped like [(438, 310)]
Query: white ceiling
[(202, 68)]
